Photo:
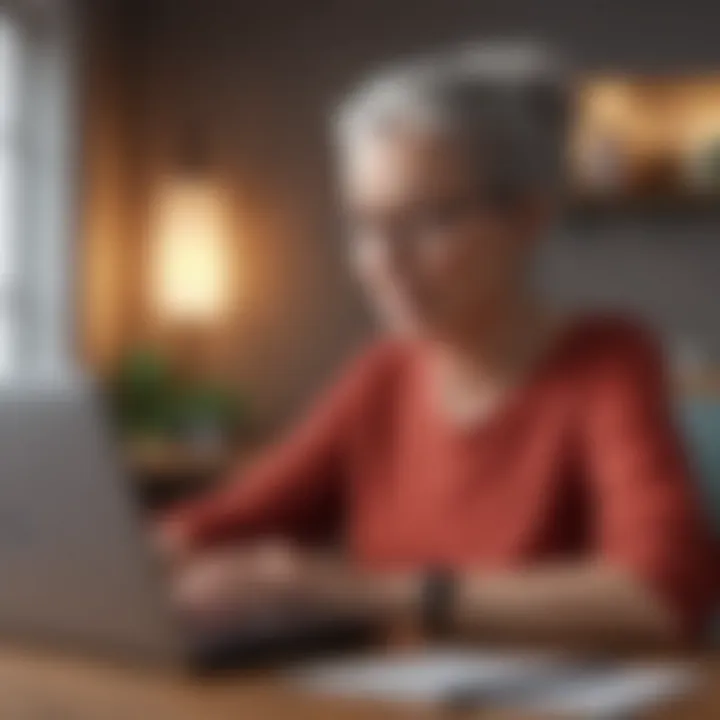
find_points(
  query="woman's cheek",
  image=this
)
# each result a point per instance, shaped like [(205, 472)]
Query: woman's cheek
[(443, 269)]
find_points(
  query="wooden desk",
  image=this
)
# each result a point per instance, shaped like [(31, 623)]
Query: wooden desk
[(44, 687)]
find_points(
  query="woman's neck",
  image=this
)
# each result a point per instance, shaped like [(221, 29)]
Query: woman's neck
[(505, 347), (475, 371)]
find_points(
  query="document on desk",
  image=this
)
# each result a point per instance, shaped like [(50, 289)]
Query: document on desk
[(537, 682), (613, 693)]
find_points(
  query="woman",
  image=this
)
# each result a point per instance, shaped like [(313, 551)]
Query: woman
[(491, 467)]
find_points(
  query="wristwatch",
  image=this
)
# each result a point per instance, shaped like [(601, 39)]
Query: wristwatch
[(437, 602)]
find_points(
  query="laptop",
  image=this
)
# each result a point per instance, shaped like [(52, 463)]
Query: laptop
[(76, 569)]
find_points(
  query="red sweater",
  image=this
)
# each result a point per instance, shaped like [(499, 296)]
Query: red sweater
[(582, 462)]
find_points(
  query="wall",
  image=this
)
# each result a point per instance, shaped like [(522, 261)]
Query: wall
[(113, 43), (261, 77)]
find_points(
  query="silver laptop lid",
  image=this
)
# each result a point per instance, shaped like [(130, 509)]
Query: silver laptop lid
[(73, 562)]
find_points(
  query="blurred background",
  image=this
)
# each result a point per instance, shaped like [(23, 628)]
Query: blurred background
[(166, 186)]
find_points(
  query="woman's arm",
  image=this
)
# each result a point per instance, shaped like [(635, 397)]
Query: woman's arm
[(585, 604), (294, 489), (649, 520)]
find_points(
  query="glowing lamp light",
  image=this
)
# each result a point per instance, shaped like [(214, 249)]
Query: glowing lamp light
[(190, 252)]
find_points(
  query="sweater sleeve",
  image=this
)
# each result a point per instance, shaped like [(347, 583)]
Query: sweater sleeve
[(648, 516), (295, 487)]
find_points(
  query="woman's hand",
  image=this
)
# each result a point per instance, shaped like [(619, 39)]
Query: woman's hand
[(171, 539), (234, 581)]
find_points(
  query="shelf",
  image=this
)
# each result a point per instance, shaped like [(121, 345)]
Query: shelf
[(659, 206)]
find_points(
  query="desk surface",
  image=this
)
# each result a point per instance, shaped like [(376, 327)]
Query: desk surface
[(35, 686)]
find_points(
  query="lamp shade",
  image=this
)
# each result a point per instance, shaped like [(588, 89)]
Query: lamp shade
[(190, 252)]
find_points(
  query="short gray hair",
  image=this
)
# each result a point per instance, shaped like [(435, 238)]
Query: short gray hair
[(508, 102)]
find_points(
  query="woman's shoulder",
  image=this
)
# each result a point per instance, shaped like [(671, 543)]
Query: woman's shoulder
[(379, 361), (608, 335), (611, 345), (374, 369)]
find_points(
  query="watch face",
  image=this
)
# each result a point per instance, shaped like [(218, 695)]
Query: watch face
[(438, 601)]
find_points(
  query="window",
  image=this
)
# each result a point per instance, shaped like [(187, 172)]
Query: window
[(10, 158), (34, 189)]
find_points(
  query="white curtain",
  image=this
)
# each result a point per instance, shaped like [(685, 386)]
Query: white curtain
[(36, 181)]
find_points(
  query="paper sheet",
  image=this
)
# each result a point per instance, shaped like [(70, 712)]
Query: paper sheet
[(536, 682), (613, 693)]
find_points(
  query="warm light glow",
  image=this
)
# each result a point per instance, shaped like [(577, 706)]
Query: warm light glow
[(647, 133), (610, 102), (190, 263)]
